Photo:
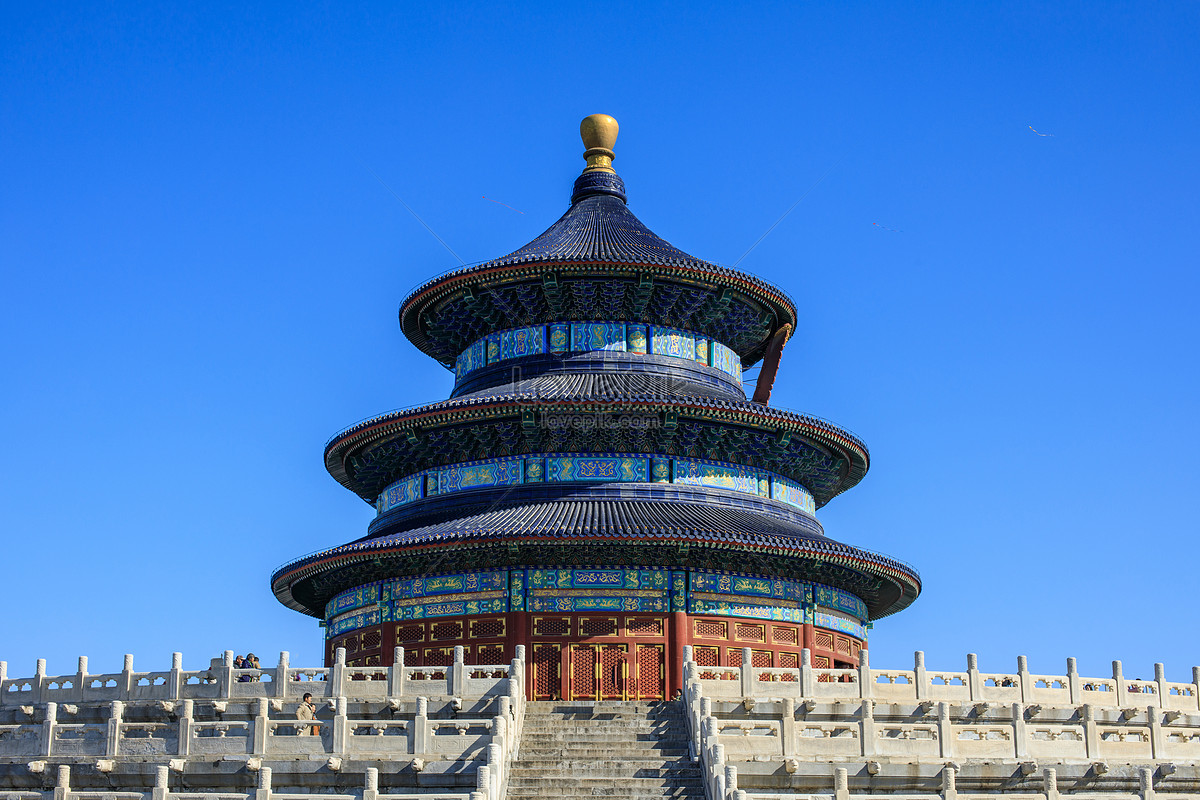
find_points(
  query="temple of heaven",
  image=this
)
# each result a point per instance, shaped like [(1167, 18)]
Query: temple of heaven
[(598, 487)]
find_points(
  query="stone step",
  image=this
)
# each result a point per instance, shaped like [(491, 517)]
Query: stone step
[(635, 741), (605, 734), (598, 751), (633, 794), (617, 772), (607, 789)]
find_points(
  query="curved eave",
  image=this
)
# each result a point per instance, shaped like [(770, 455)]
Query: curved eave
[(508, 270), (479, 409), (903, 578)]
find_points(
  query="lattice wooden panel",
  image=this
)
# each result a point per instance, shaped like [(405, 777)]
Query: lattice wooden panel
[(490, 654), (706, 656), (643, 626), (711, 629), (783, 634), (410, 633), (487, 628), (583, 672), (597, 626), (447, 630), (439, 656), (551, 626), (651, 668), (748, 632), (547, 682), (823, 640), (612, 670), (371, 640)]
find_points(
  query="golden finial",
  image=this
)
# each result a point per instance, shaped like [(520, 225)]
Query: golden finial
[(599, 133)]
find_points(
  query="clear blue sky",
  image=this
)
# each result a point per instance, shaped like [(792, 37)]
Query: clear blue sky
[(201, 279)]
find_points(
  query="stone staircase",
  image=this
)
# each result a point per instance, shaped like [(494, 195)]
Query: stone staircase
[(618, 749)]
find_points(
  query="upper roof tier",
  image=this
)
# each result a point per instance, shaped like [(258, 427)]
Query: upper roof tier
[(597, 262)]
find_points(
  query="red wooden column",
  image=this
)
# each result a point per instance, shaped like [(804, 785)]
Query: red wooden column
[(678, 636)]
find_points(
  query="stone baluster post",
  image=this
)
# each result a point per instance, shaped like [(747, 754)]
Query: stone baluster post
[(718, 772), (127, 679), (161, 777), (48, 729), (1024, 680), (495, 760), (1146, 783), (39, 680), (483, 781), (261, 717), (747, 673), (396, 676), (371, 784), (116, 715), (949, 783), (866, 686), (283, 682), (1091, 737), (920, 676), (787, 728), (3, 671), (420, 728), (730, 781), (175, 682), (1119, 679), (341, 726), (516, 677), (504, 707), (841, 784), (498, 728), (519, 655), (457, 674), (225, 678), (62, 787), (945, 731), (1156, 731), (687, 654), (1160, 681), (264, 784), (337, 674), (867, 731), (81, 675), (974, 682), (186, 717), (1050, 783), (1020, 731), (808, 680), (1074, 686)]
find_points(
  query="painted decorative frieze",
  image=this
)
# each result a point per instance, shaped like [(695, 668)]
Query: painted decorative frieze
[(591, 468), (583, 337), (599, 469), (695, 472)]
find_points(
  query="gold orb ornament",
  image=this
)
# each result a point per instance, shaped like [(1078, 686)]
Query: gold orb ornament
[(599, 134)]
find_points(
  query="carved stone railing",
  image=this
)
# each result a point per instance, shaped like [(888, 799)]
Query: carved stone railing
[(920, 684), (226, 682), (137, 716), (888, 720)]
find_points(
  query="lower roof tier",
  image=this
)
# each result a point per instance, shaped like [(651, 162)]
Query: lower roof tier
[(372, 455), (602, 526)]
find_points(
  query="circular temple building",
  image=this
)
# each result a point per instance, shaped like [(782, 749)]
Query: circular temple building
[(598, 487)]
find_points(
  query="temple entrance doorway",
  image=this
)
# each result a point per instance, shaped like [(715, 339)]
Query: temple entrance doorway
[(598, 658)]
